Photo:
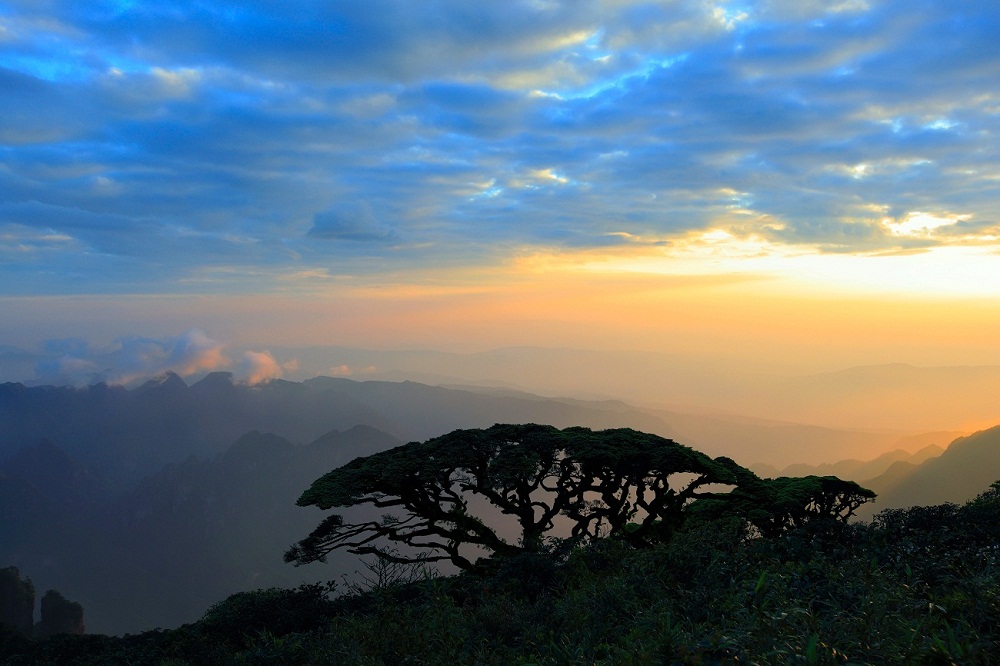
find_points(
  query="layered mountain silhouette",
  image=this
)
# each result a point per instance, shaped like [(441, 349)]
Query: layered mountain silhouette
[(129, 434), (957, 473), (966, 468), (185, 537), (863, 470), (149, 504), (40, 487)]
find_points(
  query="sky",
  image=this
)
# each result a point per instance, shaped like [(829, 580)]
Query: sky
[(814, 184)]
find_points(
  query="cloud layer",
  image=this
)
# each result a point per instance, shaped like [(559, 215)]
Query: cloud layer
[(132, 360), (209, 147)]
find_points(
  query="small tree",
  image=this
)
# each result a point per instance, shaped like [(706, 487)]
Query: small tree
[(774, 506), (600, 481)]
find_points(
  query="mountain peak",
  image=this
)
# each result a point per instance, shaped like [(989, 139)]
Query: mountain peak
[(168, 381), (214, 381)]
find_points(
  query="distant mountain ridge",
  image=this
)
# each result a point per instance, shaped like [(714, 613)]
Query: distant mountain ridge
[(897, 396), (932, 475), (193, 488), (966, 468), (184, 538), (863, 470), (893, 396), (130, 433)]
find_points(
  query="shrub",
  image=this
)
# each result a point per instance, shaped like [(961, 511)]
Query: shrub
[(276, 611)]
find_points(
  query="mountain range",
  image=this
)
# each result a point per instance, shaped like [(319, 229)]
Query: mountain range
[(183, 538), (932, 475), (885, 396), (149, 504)]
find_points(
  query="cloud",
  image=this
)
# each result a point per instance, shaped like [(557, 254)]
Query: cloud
[(260, 367), (193, 352), (68, 370), (351, 222), (130, 359), (179, 147), (188, 354), (348, 371)]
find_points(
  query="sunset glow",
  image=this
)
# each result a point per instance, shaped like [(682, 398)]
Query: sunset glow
[(809, 186)]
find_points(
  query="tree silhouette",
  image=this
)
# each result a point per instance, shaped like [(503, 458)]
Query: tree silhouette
[(601, 482), (777, 505)]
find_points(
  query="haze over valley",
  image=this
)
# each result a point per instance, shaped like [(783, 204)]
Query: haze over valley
[(147, 504), (244, 244)]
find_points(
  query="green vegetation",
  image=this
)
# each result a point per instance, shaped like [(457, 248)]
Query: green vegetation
[(773, 506), (919, 585), (768, 571)]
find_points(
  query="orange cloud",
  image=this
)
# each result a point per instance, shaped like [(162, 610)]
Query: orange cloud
[(259, 367)]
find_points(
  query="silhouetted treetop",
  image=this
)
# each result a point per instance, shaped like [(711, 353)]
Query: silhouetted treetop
[(600, 481), (776, 505)]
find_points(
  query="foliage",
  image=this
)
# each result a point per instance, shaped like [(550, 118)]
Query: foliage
[(382, 573), (918, 585), (13, 641), (274, 610), (774, 506), (599, 481)]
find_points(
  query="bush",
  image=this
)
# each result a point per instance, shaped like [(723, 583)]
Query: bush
[(276, 611)]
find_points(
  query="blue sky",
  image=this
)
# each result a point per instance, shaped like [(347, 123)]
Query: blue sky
[(213, 149)]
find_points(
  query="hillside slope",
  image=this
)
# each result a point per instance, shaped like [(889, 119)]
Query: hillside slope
[(966, 468)]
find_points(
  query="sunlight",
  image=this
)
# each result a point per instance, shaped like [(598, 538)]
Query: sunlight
[(956, 272), (917, 223), (962, 272)]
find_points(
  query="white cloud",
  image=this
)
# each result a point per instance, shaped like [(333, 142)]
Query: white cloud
[(140, 160), (190, 353), (259, 367), (130, 360), (917, 223)]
